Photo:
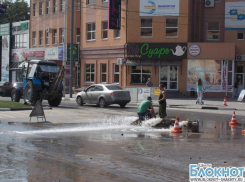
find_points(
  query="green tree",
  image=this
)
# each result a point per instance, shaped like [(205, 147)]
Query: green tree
[(17, 11)]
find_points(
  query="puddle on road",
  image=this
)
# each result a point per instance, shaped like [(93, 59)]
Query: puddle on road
[(121, 125)]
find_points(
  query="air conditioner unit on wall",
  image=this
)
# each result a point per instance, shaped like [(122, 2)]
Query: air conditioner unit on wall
[(48, 29), (240, 57), (120, 61), (209, 3)]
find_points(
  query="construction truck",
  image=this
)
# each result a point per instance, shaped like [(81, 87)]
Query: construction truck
[(41, 80)]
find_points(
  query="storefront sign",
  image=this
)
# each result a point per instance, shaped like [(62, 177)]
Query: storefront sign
[(194, 50), (143, 93), (60, 52), (235, 15), (4, 29), (39, 53), (159, 8), (51, 53), (241, 96), (224, 78), (156, 51), (156, 91), (75, 52), (114, 21)]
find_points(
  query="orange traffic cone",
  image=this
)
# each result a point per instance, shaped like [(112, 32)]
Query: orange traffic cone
[(243, 132), (233, 119), (176, 128), (224, 103)]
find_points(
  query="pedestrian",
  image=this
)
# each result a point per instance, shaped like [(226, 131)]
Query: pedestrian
[(162, 102), (235, 86), (149, 83), (199, 91), (146, 107)]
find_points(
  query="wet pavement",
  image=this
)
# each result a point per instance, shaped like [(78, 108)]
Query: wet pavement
[(105, 147)]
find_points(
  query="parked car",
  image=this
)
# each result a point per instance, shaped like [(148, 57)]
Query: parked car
[(6, 89), (17, 91), (104, 95)]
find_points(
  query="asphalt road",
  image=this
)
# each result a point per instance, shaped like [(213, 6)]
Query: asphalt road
[(89, 143)]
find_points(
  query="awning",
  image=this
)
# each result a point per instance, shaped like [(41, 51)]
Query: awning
[(154, 62)]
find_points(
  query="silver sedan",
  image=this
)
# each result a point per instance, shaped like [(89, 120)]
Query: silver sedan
[(104, 95)]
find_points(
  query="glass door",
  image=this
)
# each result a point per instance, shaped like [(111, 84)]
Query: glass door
[(169, 77)]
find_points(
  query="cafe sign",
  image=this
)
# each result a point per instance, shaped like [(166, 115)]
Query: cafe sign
[(156, 51)]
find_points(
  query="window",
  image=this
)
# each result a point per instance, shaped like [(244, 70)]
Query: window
[(55, 6), (78, 36), (91, 31), (62, 6), (116, 73), (20, 41), (34, 40), (116, 33), (89, 2), (104, 30), (146, 27), (40, 38), (78, 5), (40, 8), (89, 73), (62, 35), (171, 27), (213, 31), (47, 7), (34, 9), (47, 38), (140, 74), (240, 36), (103, 73), (54, 36)]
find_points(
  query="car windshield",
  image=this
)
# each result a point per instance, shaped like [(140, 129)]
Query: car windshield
[(113, 87), (49, 68)]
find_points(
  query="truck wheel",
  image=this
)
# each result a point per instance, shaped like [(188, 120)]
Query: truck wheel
[(55, 102), (30, 94), (15, 95)]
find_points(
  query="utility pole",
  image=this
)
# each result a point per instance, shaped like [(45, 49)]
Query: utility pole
[(71, 47), (64, 48)]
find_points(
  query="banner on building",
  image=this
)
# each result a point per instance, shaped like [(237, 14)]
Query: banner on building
[(235, 15), (143, 93), (4, 32), (51, 53), (159, 8), (60, 52), (114, 18)]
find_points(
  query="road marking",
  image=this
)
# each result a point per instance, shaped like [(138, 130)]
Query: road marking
[(8, 116)]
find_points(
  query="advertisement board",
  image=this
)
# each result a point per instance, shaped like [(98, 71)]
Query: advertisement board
[(114, 14), (159, 8), (5, 58), (143, 93), (234, 15), (241, 96), (51, 53)]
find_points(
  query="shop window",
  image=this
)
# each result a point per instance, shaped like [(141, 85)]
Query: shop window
[(34, 9), (34, 40), (40, 8), (47, 7), (90, 31), (40, 38), (55, 6), (54, 36), (103, 73), (104, 30), (116, 73), (117, 33), (213, 31), (89, 73), (140, 74), (209, 71), (240, 36), (146, 27), (171, 27)]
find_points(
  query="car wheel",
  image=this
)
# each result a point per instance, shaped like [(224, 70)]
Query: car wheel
[(102, 102), (79, 101), (122, 105)]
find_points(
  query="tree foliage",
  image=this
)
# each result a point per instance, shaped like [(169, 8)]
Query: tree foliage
[(17, 11)]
